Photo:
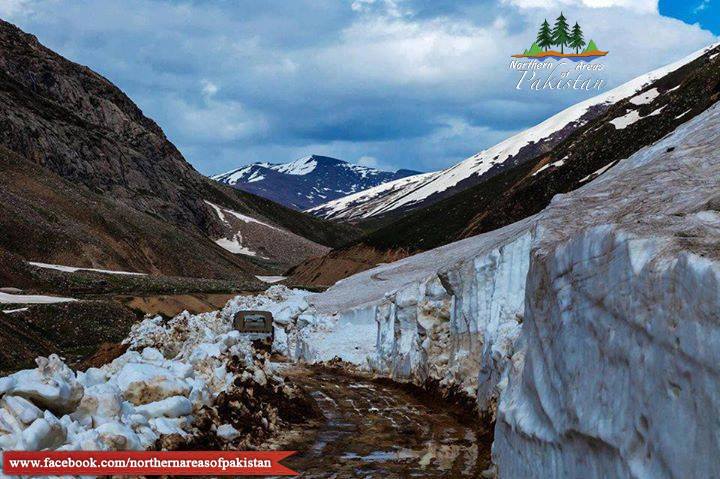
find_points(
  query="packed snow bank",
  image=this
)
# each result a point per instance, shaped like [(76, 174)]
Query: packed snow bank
[(178, 373), (348, 335), (618, 370), (456, 328), (448, 316)]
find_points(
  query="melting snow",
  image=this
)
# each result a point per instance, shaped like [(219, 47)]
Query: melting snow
[(174, 369), (73, 269), (645, 98), (247, 219), (11, 311), (271, 279), (233, 176), (234, 245), (255, 177), (32, 299), (624, 121), (545, 167)]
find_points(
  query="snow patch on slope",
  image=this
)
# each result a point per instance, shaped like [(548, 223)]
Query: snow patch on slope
[(234, 245), (247, 219), (250, 236), (300, 167), (645, 97), (6, 298), (73, 269)]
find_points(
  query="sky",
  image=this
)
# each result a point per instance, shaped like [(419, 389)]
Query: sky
[(418, 84)]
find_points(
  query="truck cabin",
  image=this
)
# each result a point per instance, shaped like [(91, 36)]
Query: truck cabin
[(256, 322)]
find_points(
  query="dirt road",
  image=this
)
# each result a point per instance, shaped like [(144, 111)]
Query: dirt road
[(378, 430)]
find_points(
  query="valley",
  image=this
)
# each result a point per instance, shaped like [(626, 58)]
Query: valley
[(545, 308)]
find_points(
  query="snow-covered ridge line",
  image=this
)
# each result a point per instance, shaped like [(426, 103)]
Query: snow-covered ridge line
[(388, 197), (340, 208), (307, 182)]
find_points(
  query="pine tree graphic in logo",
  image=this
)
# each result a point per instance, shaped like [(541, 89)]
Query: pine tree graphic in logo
[(576, 38), (550, 40)]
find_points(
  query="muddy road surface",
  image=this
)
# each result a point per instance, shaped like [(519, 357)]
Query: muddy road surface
[(370, 429)]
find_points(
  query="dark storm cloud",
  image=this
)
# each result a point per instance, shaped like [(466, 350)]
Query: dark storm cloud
[(413, 84)]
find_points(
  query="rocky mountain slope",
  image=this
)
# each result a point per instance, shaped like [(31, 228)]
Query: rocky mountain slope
[(51, 219), (137, 199), (642, 114), (587, 332), (308, 181)]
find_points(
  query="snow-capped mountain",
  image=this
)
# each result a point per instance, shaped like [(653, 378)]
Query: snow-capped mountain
[(308, 181), (636, 115), (423, 190)]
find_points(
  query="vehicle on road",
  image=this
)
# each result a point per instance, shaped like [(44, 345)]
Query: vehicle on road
[(258, 325)]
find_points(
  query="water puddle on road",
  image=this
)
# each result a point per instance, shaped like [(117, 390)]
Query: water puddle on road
[(373, 430)]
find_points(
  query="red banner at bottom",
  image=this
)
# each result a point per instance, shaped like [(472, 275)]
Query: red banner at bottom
[(149, 463)]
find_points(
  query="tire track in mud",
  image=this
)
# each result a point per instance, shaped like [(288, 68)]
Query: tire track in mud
[(372, 429)]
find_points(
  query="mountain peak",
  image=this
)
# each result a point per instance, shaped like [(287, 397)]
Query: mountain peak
[(307, 181)]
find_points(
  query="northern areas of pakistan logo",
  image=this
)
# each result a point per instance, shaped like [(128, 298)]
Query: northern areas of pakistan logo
[(562, 42)]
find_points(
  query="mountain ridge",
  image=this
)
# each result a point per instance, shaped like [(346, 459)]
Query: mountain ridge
[(308, 181), (76, 125), (397, 198), (643, 116)]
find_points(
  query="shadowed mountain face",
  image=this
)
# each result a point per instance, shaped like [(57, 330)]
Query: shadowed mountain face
[(307, 182), (94, 145), (640, 118)]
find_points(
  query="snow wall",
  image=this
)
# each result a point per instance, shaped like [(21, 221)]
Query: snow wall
[(618, 375), (593, 338), (456, 328)]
